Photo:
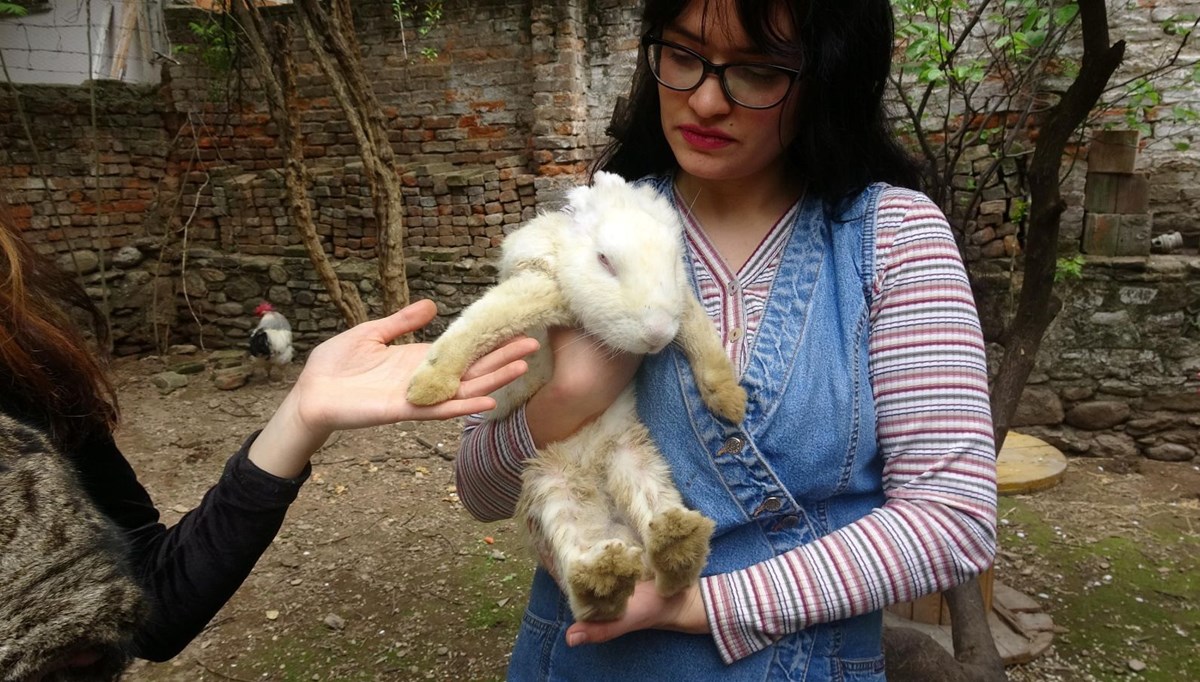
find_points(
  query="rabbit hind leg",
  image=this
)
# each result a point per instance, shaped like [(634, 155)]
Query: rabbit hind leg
[(597, 562), (675, 537)]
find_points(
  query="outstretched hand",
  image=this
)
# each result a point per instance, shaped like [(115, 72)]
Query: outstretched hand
[(358, 379), (646, 610)]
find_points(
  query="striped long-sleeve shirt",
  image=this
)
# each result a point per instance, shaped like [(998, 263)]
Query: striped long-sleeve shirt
[(928, 373)]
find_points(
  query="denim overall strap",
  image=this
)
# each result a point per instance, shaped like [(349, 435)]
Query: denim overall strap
[(803, 464)]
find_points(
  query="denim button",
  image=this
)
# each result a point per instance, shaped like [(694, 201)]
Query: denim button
[(788, 522), (732, 446), (771, 504)]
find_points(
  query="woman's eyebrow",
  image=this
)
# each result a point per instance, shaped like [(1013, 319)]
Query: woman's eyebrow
[(690, 36)]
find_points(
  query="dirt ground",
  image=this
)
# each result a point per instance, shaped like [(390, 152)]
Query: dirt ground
[(380, 574)]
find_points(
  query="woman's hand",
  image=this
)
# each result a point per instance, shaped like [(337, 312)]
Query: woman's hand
[(646, 610), (588, 377), (358, 379)]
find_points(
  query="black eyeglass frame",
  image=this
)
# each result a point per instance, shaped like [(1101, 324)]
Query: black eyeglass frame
[(650, 40)]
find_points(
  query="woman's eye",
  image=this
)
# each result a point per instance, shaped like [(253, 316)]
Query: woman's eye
[(679, 57)]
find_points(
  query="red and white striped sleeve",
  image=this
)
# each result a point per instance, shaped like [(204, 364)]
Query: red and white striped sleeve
[(937, 526), (487, 471)]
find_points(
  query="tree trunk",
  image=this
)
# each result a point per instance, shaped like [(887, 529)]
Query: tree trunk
[(332, 39), (1037, 305), (912, 656), (278, 81)]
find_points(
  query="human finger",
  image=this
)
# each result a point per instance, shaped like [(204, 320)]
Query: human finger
[(598, 632), (408, 319), (512, 350), (487, 383), (455, 407)]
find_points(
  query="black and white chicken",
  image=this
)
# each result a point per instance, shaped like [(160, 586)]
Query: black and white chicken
[(271, 340)]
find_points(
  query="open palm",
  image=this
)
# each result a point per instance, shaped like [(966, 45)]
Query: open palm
[(358, 378)]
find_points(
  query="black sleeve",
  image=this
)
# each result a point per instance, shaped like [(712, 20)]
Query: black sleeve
[(189, 570)]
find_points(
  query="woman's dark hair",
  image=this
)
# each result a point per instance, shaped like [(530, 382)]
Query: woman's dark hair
[(48, 372), (843, 140)]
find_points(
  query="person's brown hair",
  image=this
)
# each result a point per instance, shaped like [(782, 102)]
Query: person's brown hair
[(49, 373)]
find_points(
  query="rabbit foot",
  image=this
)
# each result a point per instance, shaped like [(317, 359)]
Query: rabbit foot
[(678, 548), (429, 387), (600, 584), (723, 395)]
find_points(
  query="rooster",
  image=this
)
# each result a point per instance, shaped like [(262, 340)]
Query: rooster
[(271, 340)]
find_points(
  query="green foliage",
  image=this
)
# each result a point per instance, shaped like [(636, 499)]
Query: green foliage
[(1018, 209), (424, 15), (12, 9), (217, 45), (1143, 97), (980, 73), (1069, 268), (217, 48)]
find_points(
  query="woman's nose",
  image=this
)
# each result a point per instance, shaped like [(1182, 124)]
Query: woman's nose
[(709, 99)]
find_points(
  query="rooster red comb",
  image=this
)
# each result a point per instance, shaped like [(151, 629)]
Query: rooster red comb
[(263, 307)]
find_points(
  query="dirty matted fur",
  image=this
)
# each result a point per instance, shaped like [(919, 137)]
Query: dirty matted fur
[(601, 507), (65, 586)]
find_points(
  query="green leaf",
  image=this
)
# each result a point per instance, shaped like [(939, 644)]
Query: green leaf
[(1066, 14)]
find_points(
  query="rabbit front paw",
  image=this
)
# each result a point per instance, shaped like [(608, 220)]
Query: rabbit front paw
[(678, 548), (600, 583), (430, 386), (723, 395)]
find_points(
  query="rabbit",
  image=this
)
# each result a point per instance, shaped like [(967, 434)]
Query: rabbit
[(600, 507)]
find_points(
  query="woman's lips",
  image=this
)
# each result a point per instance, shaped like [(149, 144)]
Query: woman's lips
[(704, 138)]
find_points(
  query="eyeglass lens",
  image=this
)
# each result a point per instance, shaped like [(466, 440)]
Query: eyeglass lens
[(747, 84)]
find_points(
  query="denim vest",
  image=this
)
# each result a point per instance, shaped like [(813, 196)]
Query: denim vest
[(804, 463)]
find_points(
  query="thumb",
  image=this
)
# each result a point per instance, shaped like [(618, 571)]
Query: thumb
[(408, 319)]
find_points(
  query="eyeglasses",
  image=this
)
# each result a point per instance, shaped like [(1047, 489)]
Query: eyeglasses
[(754, 86)]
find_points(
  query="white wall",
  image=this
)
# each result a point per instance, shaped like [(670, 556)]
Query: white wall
[(52, 47)]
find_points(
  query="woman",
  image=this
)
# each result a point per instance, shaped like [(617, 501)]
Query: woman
[(88, 574), (864, 472)]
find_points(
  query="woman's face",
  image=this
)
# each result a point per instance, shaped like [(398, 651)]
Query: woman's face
[(713, 138)]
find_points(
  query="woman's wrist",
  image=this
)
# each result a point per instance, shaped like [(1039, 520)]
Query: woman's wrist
[(287, 442)]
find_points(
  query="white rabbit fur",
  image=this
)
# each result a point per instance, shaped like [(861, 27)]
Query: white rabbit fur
[(600, 506)]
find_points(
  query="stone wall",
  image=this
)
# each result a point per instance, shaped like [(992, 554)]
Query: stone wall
[(493, 114), (1115, 373)]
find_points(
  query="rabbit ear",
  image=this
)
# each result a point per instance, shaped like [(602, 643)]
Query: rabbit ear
[(606, 179), (582, 208), (577, 199)]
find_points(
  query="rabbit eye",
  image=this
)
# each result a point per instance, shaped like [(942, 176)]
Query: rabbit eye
[(607, 265)]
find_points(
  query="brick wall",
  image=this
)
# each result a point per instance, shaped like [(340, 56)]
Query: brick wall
[(503, 117), (188, 230)]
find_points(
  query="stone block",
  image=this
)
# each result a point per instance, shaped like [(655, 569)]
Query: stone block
[(1122, 193), (1100, 234), (1100, 195), (1133, 236), (1133, 194), (1113, 151)]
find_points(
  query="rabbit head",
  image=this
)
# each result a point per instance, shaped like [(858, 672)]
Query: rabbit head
[(621, 267)]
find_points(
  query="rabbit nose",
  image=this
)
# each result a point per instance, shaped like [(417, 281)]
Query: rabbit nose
[(659, 331)]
